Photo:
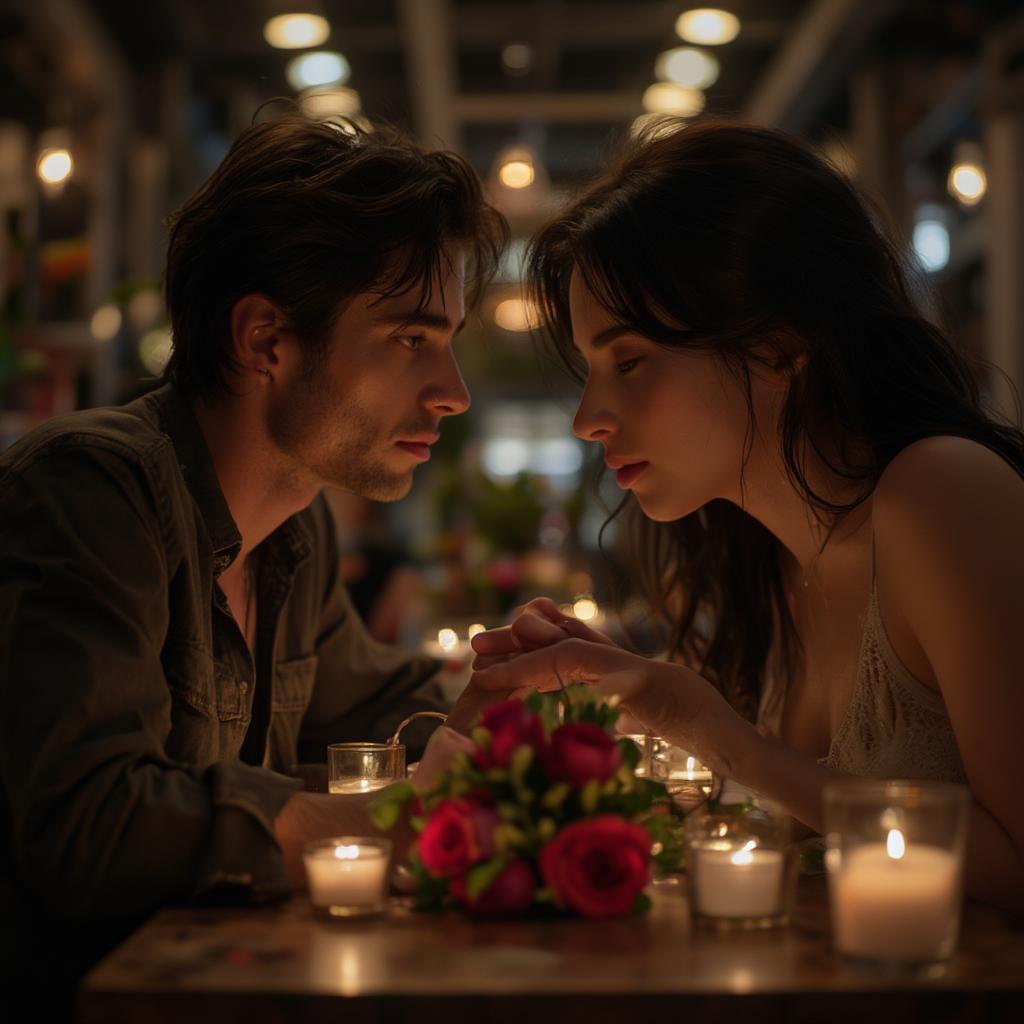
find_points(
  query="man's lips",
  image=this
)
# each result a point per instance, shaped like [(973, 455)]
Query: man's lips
[(418, 449)]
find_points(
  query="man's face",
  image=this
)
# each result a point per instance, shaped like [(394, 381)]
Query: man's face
[(364, 418)]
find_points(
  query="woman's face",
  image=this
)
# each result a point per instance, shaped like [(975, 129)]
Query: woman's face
[(673, 423)]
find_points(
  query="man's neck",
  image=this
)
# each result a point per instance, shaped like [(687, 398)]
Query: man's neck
[(261, 489)]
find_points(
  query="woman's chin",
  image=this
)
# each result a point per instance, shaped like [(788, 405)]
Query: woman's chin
[(662, 511)]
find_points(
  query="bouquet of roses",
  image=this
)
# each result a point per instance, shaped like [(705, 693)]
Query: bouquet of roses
[(545, 811)]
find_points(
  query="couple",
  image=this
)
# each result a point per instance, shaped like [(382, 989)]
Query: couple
[(827, 520)]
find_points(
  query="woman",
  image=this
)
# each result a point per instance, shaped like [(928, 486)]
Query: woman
[(832, 526)]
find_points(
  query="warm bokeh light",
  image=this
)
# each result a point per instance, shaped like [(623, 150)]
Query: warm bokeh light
[(669, 98), (516, 174), (516, 315), (105, 322), (895, 846), (324, 103), (155, 350), (967, 183), (931, 240), (585, 609), (54, 166), (686, 66), (447, 639), (708, 26), (476, 629), (296, 31), (517, 57), (322, 67)]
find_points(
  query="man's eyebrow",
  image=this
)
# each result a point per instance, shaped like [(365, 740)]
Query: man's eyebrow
[(416, 318)]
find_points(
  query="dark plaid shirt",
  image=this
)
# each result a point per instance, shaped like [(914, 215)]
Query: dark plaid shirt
[(142, 748)]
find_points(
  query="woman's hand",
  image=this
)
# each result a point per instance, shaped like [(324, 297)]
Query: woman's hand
[(537, 624), (668, 700)]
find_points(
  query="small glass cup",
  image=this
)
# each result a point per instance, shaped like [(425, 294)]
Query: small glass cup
[(364, 767), (740, 867), (688, 781), (894, 857), (347, 875)]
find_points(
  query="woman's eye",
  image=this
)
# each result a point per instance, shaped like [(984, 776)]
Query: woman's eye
[(627, 365), (411, 341)]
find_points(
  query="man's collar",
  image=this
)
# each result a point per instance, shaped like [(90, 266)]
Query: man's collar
[(179, 422)]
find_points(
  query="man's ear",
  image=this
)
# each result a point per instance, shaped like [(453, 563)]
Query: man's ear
[(256, 327)]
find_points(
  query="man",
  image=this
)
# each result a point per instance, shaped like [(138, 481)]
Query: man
[(173, 631)]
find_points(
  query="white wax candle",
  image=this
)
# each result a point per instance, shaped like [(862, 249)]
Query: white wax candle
[(357, 785), (349, 877), (895, 907), (733, 881)]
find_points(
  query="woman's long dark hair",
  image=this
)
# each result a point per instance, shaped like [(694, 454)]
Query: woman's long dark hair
[(752, 241)]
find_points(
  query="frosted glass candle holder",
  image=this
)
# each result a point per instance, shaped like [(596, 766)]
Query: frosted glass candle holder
[(364, 767), (894, 857), (740, 869), (347, 875)]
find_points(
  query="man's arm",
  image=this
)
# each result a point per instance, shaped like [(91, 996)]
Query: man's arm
[(102, 820), (364, 689)]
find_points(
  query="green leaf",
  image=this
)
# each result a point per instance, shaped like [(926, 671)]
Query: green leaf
[(534, 701), (546, 828), (506, 836), (520, 763), (508, 810), (386, 807), (479, 878), (385, 815), (481, 737), (590, 795), (555, 796), (417, 823), (631, 753), (642, 904)]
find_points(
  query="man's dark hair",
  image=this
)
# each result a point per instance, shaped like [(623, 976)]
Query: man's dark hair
[(310, 215)]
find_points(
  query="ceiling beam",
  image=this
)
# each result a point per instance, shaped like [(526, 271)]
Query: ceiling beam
[(558, 107), (429, 46), (816, 56)]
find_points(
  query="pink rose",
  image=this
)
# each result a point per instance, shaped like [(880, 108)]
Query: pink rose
[(458, 833), (510, 893), (597, 866), (581, 751), (511, 725)]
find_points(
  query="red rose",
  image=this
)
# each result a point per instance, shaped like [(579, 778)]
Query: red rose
[(511, 725), (510, 893), (597, 866), (581, 751), (458, 833)]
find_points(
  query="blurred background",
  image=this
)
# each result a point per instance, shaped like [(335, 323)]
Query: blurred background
[(113, 111)]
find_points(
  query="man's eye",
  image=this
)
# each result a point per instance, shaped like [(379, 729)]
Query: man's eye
[(625, 367), (411, 341)]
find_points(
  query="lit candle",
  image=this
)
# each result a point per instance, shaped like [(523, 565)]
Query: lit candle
[(347, 877), (475, 630), (448, 646), (892, 901), (731, 881), (337, 786)]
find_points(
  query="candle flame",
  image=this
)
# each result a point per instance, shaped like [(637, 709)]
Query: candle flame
[(691, 763), (476, 629), (346, 852), (894, 844), (585, 609), (448, 639), (744, 856)]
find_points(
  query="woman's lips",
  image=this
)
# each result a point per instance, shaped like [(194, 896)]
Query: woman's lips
[(626, 476), (415, 448)]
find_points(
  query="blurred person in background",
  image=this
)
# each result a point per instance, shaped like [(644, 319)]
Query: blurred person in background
[(174, 632), (826, 516)]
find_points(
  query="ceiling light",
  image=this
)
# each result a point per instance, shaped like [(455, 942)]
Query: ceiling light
[(516, 315), (686, 66), (517, 57), (105, 322), (516, 173), (321, 67), (669, 98), (708, 26), (54, 166), (967, 181), (296, 31), (931, 239)]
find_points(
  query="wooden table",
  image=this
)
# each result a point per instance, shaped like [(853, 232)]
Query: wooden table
[(283, 964)]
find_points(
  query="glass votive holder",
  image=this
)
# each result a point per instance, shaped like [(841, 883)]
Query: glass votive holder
[(364, 767), (894, 857), (687, 780), (741, 869), (347, 875)]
